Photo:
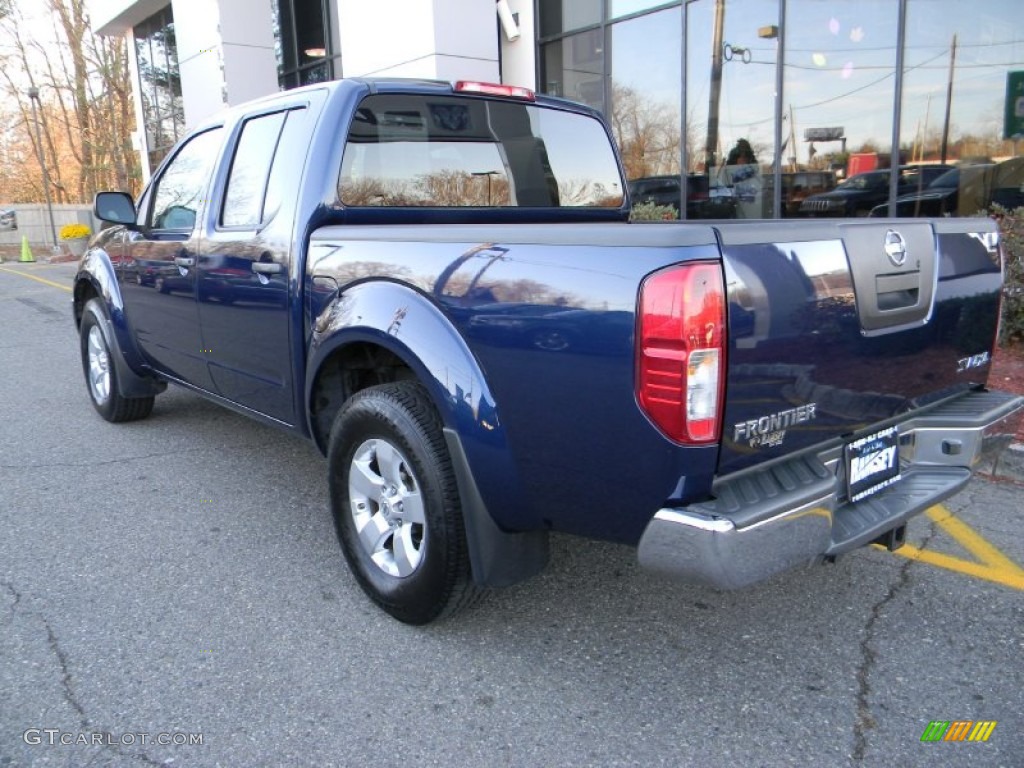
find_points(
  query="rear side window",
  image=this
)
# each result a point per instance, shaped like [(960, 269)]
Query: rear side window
[(437, 151), (250, 167), (286, 170)]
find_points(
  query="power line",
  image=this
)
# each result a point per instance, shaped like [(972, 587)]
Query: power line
[(868, 85)]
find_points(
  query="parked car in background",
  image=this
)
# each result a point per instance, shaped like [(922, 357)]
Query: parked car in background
[(940, 198), (859, 194), (8, 219), (1008, 183), (702, 200), (965, 191), (797, 186)]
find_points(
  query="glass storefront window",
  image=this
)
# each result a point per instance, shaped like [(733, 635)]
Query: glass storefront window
[(573, 68), (985, 43), (835, 116), (619, 8), (645, 92), (557, 16), (839, 94), (156, 52), (730, 91), (302, 42)]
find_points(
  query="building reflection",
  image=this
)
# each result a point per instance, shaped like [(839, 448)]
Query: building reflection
[(810, 88)]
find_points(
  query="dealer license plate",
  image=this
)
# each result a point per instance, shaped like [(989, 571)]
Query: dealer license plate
[(872, 463)]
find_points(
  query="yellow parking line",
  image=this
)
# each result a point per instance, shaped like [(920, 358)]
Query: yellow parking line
[(994, 566), (966, 567), (37, 279), (971, 541)]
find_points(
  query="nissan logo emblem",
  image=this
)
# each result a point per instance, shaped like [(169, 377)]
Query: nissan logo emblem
[(895, 248)]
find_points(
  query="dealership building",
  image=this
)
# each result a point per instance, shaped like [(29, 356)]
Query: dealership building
[(756, 104)]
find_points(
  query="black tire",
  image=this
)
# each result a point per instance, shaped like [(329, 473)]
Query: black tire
[(98, 348), (391, 433)]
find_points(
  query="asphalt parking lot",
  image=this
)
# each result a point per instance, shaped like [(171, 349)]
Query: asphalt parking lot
[(178, 579)]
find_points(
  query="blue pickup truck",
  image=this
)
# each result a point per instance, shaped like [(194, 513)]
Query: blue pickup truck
[(439, 286)]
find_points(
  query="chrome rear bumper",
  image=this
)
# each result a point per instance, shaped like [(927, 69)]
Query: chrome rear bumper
[(794, 511)]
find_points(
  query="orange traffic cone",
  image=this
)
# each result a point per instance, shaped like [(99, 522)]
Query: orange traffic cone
[(26, 252)]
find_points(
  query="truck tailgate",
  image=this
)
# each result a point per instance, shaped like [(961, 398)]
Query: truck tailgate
[(838, 326)]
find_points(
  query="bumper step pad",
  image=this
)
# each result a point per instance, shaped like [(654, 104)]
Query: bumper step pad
[(854, 525)]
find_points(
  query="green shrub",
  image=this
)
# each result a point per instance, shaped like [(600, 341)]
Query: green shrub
[(652, 212), (1012, 225)]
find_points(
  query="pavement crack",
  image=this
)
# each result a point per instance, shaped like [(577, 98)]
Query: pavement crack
[(869, 656), (105, 462), (15, 593), (67, 689), (62, 659)]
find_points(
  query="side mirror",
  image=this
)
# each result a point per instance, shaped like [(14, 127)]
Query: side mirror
[(115, 207)]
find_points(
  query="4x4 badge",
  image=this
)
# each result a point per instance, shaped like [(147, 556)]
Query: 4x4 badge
[(895, 248)]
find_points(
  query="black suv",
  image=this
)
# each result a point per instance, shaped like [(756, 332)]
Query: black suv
[(965, 191), (859, 194)]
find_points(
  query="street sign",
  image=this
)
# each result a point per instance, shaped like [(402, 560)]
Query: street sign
[(824, 134)]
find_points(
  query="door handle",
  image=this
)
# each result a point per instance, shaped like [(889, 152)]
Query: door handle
[(266, 267), (184, 261)]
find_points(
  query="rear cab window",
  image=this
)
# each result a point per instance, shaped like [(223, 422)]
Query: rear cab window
[(413, 150)]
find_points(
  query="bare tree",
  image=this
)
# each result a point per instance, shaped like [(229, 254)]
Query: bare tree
[(86, 115), (647, 132)]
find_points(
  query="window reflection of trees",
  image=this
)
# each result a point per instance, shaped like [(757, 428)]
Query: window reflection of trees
[(243, 199), (646, 131), (160, 84), (180, 189), (405, 151), (460, 189), (971, 91), (446, 188)]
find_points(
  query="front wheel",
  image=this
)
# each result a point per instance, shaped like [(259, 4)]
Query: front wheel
[(396, 504), (98, 349)]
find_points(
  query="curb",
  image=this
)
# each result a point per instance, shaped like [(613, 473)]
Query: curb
[(60, 258)]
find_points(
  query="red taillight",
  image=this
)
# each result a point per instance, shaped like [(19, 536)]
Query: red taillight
[(495, 89), (681, 351)]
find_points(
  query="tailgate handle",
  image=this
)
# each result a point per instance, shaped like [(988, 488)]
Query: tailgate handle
[(908, 281), (266, 268), (898, 291)]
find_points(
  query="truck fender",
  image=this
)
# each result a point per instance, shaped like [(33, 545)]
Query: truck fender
[(97, 271), (407, 324)]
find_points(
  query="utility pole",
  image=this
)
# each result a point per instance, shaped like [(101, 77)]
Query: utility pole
[(33, 97), (949, 98), (717, 36)]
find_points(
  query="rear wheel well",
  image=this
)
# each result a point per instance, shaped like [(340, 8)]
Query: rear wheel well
[(347, 371)]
